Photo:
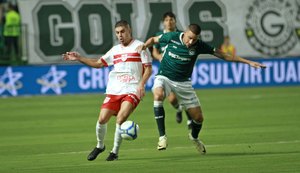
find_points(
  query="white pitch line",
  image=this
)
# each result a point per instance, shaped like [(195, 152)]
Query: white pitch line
[(186, 147)]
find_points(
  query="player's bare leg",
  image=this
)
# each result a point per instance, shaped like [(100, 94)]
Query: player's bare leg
[(123, 114), (196, 125), (174, 102), (101, 126), (189, 120), (159, 113)]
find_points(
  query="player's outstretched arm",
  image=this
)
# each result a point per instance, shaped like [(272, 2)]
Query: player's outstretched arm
[(75, 56), (227, 57), (148, 43), (156, 54)]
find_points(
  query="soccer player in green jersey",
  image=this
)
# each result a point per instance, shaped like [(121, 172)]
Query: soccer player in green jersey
[(169, 22), (174, 75)]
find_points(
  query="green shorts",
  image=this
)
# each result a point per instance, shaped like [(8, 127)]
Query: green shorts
[(184, 91)]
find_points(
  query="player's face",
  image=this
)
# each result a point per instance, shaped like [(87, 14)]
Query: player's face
[(123, 34), (189, 38), (226, 41), (169, 23)]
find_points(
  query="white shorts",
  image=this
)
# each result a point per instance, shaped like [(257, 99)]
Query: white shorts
[(184, 91)]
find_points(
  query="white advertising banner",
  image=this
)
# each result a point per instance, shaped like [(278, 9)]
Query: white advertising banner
[(257, 28)]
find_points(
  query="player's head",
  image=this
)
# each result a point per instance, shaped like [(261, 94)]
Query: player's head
[(191, 35), (226, 40), (123, 32), (11, 6), (169, 21)]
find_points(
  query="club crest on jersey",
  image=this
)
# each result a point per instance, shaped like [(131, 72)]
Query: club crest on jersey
[(192, 51), (124, 57)]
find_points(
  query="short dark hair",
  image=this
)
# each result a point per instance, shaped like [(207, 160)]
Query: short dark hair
[(169, 14), (195, 28), (122, 23)]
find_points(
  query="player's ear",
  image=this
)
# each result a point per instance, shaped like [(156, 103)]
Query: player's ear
[(130, 32)]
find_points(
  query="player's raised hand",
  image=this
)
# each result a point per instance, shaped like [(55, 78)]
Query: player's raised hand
[(257, 65), (71, 56), (140, 48)]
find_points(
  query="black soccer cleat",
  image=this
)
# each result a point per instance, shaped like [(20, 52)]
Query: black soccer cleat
[(93, 155), (179, 117), (112, 156)]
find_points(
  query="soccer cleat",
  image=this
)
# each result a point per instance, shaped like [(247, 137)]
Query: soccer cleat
[(162, 143), (93, 155), (112, 156), (179, 117), (199, 145)]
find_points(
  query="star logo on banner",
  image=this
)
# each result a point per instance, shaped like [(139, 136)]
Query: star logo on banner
[(53, 80), (9, 81)]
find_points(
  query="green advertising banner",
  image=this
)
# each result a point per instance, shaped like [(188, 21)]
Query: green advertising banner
[(269, 28)]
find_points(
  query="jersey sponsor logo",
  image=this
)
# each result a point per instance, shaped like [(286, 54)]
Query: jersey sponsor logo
[(270, 26), (126, 78), (178, 57), (175, 42)]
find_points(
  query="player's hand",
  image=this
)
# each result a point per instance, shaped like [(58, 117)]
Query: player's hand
[(71, 56), (257, 65), (141, 90), (140, 48)]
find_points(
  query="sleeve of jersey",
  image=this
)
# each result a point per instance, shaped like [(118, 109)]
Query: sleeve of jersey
[(157, 46), (206, 49), (165, 38), (146, 58), (107, 59)]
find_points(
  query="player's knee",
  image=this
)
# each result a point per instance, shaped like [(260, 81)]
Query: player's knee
[(199, 118), (102, 120), (120, 120), (173, 100), (158, 96)]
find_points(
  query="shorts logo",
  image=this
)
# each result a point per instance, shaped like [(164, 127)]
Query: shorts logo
[(270, 26), (106, 100), (133, 98)]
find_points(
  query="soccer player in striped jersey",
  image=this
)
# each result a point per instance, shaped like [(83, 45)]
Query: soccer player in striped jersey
[(126, 84), (175, 73), (169, 22)]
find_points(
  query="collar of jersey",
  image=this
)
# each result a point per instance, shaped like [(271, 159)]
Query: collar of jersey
[(128, 44), (180, 38)]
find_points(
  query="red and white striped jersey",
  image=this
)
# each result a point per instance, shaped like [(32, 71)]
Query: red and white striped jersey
[(128, 68)]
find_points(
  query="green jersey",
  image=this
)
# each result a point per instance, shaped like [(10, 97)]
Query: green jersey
[(161, 46), (178, 61)]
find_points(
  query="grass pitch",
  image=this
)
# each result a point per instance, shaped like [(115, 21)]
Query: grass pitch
[(245, 130)]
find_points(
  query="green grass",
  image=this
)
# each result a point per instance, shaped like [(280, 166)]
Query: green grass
[(245, 131)]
